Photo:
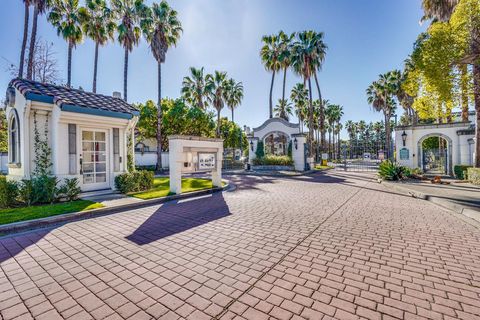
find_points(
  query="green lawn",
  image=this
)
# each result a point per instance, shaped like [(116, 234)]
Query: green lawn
[(162, 187), (34, 212)]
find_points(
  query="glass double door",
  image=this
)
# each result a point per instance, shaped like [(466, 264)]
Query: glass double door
[(94, 160)]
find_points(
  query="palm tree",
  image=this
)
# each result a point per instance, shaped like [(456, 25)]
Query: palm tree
[(129, 13), (65, 16), (233, 95), (98, 25), (217, 83), (162, 29), (320, 49), (285, 54), (438, 10), (283, 109), (303, 56), (269, 54), (379, 95), (350, 126), (330, 117), (39, 8), (378, 128), (25, 37), (299, 96), (195, 90)]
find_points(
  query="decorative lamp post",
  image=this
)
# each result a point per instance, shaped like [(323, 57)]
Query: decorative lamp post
[(251, 145), (295, 142), (404, 137)]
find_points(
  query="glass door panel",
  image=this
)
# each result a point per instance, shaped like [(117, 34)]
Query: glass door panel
[(94, 163)]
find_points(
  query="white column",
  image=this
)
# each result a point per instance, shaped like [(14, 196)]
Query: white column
[(298, 154), (175, 167), (217, 173)]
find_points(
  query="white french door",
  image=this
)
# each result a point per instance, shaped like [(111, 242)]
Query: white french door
[(94, 160)]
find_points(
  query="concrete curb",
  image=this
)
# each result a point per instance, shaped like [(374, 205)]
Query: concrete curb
[(82, 215), (456, 208)]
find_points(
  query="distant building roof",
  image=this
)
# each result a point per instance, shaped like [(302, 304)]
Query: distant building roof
[(74, 100)]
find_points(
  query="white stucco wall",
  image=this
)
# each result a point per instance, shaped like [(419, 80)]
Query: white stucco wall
[(58, 140), (291, 130), (150, 159), (460, 152)]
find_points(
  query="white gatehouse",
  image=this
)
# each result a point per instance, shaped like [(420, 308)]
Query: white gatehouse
[(436, 148), (277, 135)]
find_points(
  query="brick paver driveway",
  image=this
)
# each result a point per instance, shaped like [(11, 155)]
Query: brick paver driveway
[(329, 246)]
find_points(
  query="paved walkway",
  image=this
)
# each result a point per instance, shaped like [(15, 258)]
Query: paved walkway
[(326, 246)]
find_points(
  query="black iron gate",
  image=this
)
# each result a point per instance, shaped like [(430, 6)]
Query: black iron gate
[(435, 161), (358, 157)]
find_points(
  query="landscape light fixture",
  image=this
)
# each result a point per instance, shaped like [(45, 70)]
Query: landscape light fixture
[(295, 142), (404, 137)]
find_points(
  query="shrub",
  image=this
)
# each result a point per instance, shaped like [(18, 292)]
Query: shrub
[(70, 189), (27, 194), (134, 181), (148, 168), (474, 175), (260, 152), (46, 188), (460, 171), (272, 160), (8, 192), (392, 171)]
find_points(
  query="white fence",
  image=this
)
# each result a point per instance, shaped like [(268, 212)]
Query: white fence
[(149, 158)]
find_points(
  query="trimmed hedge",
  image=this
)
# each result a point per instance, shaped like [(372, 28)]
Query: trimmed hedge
[(460, 171), (8, 192), (134, 181), (271, 160), (474, 175)]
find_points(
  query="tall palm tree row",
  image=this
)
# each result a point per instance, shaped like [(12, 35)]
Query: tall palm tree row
[(196, 91), (129, 14), (65, 16), (39, 7), (162, 29), (283, 109), (233, 95), (270, 55), (380, 96), (303, 52), (98, 24), (217, 82), (299, 97), (26, 17)]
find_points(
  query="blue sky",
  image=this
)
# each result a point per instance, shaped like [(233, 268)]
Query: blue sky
[(365, 38)]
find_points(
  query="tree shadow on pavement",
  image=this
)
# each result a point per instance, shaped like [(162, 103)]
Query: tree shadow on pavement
[(177, 216)]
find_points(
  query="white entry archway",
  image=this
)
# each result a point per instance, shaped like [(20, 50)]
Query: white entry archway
[(447, 153)]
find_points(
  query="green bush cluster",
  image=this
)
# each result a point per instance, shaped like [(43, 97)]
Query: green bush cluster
[(148, 168), (272, 160), (134, 181), (389, 170), (474, 175), (460, 171), (260, 152), (38, 190)]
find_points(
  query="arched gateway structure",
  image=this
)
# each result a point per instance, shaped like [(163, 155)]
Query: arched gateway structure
[(435, 148), (277, 134)]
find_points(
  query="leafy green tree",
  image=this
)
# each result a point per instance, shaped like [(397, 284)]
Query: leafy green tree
[(97, 24), (270, 55), (129, 14), (65, 16), (178, 118), (3, 132), (195, 89), (232, 135)]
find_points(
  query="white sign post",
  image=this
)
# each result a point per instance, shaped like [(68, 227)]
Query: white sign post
[(189, 154)]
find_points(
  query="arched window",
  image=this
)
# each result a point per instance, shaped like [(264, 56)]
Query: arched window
[(14, 138)]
